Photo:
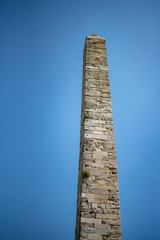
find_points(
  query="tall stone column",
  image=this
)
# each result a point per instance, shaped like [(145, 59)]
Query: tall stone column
[(98, 209)]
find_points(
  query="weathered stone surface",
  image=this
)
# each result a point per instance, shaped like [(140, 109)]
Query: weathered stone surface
[(98, 210), (90, 220)]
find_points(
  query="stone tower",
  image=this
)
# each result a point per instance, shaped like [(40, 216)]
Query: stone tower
[(98, 209)]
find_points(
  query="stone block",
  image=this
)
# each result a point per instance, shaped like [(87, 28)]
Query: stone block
[(106, 216), (90, 220)]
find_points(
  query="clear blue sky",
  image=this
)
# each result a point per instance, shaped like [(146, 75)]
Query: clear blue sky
[(41, 49)]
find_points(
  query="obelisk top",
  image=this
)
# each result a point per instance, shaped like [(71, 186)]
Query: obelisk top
[(94, 36)]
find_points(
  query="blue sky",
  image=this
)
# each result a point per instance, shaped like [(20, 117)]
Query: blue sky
[(41, 49)]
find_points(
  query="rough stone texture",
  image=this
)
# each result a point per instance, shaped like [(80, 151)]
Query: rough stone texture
[(98, 209)]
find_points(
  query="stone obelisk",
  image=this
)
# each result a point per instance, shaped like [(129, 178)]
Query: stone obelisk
[(98, 208)]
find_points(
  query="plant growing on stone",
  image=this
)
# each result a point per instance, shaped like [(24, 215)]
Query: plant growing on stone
[(86, 173)]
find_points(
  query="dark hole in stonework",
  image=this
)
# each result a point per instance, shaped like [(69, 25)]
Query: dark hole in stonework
[(105, 237)]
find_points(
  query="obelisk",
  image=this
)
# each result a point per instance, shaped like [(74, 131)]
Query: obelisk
[(98, 208)]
